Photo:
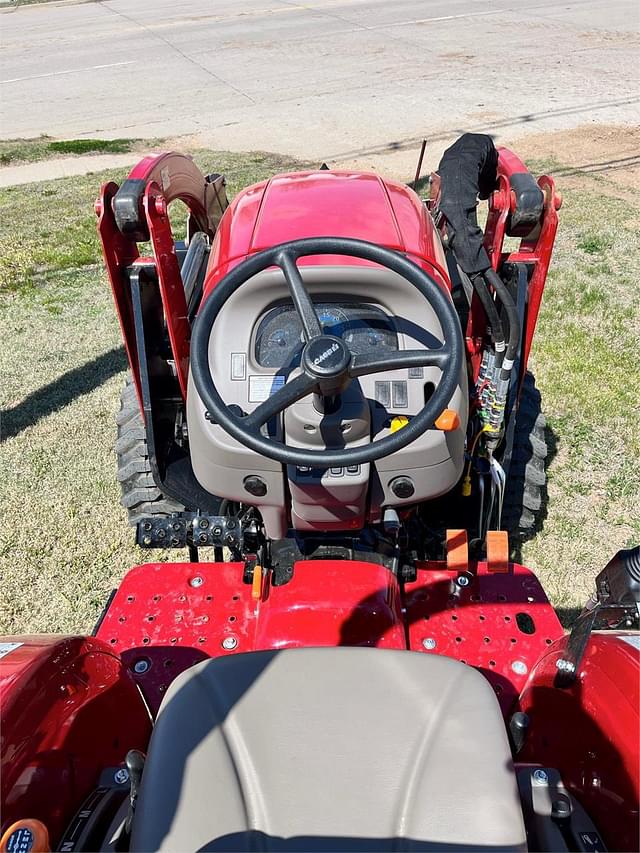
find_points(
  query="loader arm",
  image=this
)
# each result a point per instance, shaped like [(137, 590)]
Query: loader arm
[(137, 212)]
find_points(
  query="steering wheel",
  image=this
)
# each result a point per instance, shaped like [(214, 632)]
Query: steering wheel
[(327, 364)]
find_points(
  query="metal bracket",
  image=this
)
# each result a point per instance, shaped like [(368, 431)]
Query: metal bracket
[(599, 616)]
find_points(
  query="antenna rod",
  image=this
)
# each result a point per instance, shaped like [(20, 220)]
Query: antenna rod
[(419, 167)]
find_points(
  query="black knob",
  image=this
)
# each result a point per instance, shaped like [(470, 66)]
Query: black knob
[(402, 487), (255, 486)]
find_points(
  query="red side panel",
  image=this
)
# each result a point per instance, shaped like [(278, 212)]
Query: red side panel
[(69, 710), (590, 731), (167, 616)]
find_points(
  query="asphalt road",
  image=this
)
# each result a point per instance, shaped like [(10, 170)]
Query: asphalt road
[(332, 79)]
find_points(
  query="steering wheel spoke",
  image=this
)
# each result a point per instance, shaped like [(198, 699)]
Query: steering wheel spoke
[(289, 394), (366, 363), (301, 299)]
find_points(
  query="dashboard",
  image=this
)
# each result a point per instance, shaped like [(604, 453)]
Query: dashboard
[(279, 340)]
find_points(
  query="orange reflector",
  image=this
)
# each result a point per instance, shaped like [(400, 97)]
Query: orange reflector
[(447, 421), (256, 585), (27, 836), (457, 551), (497, 551)]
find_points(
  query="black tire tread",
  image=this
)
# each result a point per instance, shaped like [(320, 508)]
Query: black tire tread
[(140, 495), (525, 494)]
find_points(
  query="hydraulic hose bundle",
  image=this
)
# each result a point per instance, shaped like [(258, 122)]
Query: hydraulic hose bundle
[(468, 171)]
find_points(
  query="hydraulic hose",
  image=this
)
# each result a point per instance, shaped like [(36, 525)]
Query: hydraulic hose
[(489, 306), (509, 306)]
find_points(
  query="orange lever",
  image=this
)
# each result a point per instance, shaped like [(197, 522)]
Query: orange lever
[(457, 551), (497, 551), (447, 421), (256, 585)]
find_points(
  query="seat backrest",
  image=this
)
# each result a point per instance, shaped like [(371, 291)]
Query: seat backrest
[(329, 748)]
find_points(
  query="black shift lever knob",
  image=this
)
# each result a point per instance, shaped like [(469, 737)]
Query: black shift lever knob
[(134, 761)]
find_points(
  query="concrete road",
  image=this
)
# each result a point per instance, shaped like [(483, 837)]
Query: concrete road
[(334, 79)]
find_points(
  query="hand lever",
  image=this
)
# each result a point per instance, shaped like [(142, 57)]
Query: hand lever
[(134, 761)]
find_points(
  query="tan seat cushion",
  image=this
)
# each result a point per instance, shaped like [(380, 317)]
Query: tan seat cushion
[(329, 749)]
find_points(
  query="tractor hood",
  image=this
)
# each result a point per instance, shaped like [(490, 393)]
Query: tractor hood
[(292, 206)]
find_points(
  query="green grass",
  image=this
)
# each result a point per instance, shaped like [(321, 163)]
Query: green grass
[(64, 541), (17, 151)]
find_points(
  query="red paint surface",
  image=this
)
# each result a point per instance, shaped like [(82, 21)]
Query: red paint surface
[(479, 627), (591, 732), (69, 709), (325, 204), (159, 617)]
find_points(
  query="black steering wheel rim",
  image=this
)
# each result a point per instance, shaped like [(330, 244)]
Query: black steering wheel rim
[(448, 357)]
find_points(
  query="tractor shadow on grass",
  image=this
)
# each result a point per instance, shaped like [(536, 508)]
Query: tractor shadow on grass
[(62, 391)]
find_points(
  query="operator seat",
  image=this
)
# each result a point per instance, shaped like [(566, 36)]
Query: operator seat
[(329, 749)]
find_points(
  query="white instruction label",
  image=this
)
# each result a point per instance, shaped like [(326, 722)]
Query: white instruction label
[(5, 648), (262, 387)]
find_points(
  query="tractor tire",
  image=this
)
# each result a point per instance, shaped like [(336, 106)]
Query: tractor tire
[(525, 496), (140, 495)]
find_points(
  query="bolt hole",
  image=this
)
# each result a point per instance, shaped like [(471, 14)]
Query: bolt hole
[(236, 598), (482, 618), (458, 639), (157, 597), (454, 617), (486, 639), (173, 640), (462, 660), (548, 641), (131, 598), (492, 663), (113, 641), (182, 598), (202, 640), (507, 618), (150, 618), (426, 617), (502, 597), (232, 618), (168, 663), (209, 598), (122, 619), (145, 641), (513, 640)]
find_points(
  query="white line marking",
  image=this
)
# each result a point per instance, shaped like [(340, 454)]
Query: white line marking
[(68, 71), (392, 24)]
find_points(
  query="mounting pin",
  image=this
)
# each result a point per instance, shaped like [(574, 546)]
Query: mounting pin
[(519, 667), (429, 643), (141, 666), (229, 643), (196, 582)]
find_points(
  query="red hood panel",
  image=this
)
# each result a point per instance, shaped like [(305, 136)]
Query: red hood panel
[(325, 204)]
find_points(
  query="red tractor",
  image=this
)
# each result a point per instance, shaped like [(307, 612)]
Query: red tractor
[(329, 389)]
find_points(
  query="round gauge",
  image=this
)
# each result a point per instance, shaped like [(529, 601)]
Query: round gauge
[(332, 320), (283, 338)]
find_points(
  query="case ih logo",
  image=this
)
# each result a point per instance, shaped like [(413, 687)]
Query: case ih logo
[(325, 355)]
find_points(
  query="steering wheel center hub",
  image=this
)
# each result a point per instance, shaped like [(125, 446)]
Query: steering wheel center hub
[(326, 357)]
